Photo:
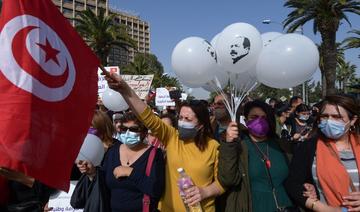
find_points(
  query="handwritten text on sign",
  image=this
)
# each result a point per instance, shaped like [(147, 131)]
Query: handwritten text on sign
[(163, 98), (139, 83)]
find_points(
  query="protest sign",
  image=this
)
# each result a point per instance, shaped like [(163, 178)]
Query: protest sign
[(102, 84), (61, 200), (163, 97), (139, 83)]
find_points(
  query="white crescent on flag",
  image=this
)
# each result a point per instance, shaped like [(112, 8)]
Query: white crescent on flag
[(46, 49)]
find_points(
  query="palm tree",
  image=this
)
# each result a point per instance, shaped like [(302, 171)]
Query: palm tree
[(344, 74), (352, 42), (326, 15), (340, 60), (101, 33), (148, 64)]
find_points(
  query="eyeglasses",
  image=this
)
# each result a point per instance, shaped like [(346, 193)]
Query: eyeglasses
[(132, 129), (218, 104)]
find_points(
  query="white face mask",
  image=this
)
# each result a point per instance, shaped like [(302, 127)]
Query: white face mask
[(186, 124)]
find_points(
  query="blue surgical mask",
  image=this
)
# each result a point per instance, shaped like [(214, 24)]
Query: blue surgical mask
[(304, 117), (130, 139), (187, 130), (332, 129), (222, 129)]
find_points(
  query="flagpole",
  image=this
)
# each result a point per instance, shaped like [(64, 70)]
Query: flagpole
[(104, 71)]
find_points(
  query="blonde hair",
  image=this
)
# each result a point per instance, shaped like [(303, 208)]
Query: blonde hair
[(104, 126)]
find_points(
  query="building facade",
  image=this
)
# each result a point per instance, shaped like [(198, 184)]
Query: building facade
[(71, 8), (138, 29)]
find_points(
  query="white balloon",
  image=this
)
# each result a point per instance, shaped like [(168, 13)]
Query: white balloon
[(287, 61), (223, 79), (267, 37), (194, 60), (114, 101), (214, 40), (91, 150), (238, 47), (242, 81)]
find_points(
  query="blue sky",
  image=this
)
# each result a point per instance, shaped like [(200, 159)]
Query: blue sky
[(171, 21)]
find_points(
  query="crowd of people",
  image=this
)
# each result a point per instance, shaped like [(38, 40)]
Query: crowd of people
[(277, 156)]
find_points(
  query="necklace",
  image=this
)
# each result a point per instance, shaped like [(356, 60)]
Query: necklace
[(264, 157)]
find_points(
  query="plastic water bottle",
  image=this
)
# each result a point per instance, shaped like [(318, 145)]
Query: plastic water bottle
[(184, 183)]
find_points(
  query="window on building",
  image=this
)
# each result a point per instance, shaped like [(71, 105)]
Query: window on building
[(68, 1), (67, 11)]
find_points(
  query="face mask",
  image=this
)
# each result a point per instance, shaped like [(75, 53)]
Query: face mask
[(130, 139), (258, 127), (117, 136), (186, 130), (220, 113), (332, 129), (221, 129), (304, 117)]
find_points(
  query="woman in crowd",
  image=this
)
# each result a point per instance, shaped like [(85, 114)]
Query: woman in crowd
[(189, 147), (124, 168), (301, 123), (329, 160), (282, 113), (253, 162), (102, 126)]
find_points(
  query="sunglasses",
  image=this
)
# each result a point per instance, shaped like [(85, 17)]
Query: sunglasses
[(132, 129)]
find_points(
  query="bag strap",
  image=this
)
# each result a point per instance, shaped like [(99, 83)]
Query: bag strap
[(146, 198), (266, 160)]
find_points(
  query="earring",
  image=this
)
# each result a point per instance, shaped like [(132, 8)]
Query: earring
[(352, 128)]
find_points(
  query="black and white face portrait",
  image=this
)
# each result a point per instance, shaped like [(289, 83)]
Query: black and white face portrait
[(240, 48), (211, 50)]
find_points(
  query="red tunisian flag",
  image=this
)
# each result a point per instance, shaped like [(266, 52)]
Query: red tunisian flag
[(48, 91)]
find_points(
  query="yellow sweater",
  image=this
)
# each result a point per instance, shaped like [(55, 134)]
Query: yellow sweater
[(200, 166)]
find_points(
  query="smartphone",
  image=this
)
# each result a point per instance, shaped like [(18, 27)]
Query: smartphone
[(176, 94)]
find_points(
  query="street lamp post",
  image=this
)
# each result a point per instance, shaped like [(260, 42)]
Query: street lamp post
[(269, 21)]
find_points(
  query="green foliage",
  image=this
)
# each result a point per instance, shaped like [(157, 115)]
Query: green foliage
[(326, 16), (148, 64), (345, 74), (263, 92), (352, 42), (314, 92), (101, 33)]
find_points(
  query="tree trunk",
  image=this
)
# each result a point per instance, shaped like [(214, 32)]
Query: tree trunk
[(323, 84), (329, 57)]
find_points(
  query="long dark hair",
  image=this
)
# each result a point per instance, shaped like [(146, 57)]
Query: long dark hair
[(349, 104), (202, 114), (270, 117)]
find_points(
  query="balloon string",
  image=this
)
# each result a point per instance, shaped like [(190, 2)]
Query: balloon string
[(237, 93)]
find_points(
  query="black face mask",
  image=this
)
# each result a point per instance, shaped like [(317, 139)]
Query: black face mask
[(185, 134)]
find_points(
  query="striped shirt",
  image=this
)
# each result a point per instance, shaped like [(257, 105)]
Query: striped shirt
[(348, 160)]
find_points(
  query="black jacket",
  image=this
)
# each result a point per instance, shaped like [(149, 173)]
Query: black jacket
[(300, 171)]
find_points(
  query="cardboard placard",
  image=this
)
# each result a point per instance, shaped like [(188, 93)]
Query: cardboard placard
[(139, 83), (163, 97), (61, 200), (102, 84)]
